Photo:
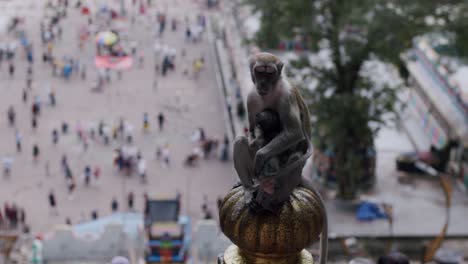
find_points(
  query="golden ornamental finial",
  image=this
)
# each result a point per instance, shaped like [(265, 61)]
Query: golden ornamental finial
[(267, 237), (274, 214)]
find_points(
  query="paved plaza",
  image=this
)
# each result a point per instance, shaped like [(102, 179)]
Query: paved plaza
[(187, 103)]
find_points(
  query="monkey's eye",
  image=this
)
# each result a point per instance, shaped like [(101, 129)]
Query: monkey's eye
[(270, 69), (260, 69)]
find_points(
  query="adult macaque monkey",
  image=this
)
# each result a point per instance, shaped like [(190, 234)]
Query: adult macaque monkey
[(274, 93)]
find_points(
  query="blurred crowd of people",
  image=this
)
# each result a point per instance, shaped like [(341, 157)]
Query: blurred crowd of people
[(118, 136)]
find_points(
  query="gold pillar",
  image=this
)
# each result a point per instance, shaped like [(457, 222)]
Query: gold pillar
[(268, 238)]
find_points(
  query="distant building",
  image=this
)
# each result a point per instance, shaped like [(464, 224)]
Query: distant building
[(438, 102), (96, 241)]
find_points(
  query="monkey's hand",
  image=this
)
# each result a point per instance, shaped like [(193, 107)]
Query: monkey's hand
[(268, 185), (260, 161), (254, 143)]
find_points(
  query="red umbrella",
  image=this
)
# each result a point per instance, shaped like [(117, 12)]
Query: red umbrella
[(114, 14), (85, 10)]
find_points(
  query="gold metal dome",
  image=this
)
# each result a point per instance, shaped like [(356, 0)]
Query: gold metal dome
[(267, 237)]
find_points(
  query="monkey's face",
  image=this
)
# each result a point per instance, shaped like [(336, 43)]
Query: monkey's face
[(266, 71)]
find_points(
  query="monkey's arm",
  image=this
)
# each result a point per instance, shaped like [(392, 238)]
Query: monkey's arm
[(252, 110), (291, 133)]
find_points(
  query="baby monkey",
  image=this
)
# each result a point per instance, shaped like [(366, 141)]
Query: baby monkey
[(267, 127)]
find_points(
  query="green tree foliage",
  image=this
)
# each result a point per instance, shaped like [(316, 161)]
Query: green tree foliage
[(457, 24), (348, 108), (277, 22)]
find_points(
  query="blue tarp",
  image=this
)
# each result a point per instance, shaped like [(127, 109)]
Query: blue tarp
[(24, 41), (67, 69), (368, 211)]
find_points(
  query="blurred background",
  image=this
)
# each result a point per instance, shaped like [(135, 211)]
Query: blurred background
[(119, 117)]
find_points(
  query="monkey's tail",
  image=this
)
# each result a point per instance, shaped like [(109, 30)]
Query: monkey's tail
[(324, 236), (295, 164)]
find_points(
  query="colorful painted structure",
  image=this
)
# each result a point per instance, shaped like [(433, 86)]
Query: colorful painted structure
[(167, 233), (440, 103)]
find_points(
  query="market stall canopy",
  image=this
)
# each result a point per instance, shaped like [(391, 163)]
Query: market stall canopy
[(114, 63), (106, 38)]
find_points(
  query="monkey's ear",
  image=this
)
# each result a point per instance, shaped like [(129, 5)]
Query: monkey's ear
[(252, 62), (253, 76), (279, 66)]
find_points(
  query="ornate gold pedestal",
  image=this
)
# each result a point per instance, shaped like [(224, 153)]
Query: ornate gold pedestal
[(269, 238), (233, 255)]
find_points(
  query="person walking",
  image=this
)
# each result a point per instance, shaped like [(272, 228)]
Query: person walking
[(142, 170), (70, 185), (85, 142), (133, 47), (37, 105), (2, 55), (18, 139), (29, 71), (47, 168), (158, 152), (83, 72), (2, 220), (94, 215), (29, 82), (161, 120), (11, 116), (141, 59), (29, 56), (52, 99), (55, 136), (107, 75), (68, 173), (53, 203), (225, 149), (87, 175), (6, 209), (7, 164), (11, 70), (188, 34), (79, 131), (34, 123), (92, 134), (165, 65), (121, 127), (203, 137), (45, 57), (25, 95), (145, 122), (130, 200), (34, 110), (101, 128), (64, 127), (35, 152), (97, 173), (22, 216), (114, 205), (64, 162), (166, 155), (14, 216)]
